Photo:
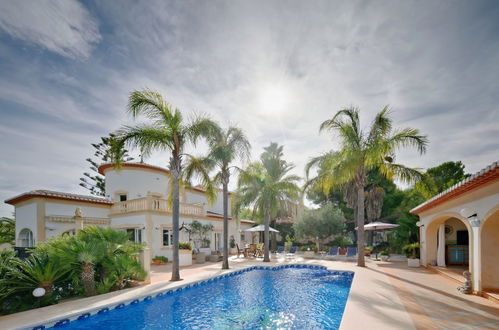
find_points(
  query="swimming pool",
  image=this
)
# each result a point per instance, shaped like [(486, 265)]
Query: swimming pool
[(290, 296)]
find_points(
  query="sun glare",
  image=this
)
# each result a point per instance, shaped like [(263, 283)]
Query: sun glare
[(273, 99)]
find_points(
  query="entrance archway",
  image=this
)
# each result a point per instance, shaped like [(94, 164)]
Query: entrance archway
[(489, 247), (458, 242)]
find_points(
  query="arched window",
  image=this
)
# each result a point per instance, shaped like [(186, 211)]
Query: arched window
[(26, 238)]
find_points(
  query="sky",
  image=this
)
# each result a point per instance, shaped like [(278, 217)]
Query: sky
[(277, 69)]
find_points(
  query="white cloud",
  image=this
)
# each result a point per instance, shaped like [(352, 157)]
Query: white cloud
[(64, 27), (438, 75)]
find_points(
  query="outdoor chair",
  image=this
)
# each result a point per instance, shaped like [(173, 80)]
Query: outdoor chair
[(351, 253), (280, 250), (259, 250), (292, 252), (251, 251), (240, 251), (333, 252)]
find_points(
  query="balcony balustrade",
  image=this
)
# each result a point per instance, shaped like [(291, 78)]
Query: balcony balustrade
[(156, 205)]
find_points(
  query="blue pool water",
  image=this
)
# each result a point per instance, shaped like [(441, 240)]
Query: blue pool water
[(291, 297)]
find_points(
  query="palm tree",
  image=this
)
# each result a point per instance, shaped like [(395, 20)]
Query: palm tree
[(360, 152), (33, 272), (224, 147), (83, 256), (167, 132), (268, 187)]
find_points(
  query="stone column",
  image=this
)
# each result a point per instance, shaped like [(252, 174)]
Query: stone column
[(441, 246), (78, 219), (475, 254), (145, 261)]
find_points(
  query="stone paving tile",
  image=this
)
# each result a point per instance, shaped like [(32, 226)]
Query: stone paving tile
[(439, 300)]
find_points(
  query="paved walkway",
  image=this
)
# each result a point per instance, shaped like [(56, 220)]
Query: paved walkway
[(433, 301), (384, 295)]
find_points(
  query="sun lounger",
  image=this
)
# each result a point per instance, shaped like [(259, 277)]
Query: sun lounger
[(280, 250), (292, 252), (351, 253), (333, 252)]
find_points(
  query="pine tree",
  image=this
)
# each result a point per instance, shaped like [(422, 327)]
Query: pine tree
[(107, 151)]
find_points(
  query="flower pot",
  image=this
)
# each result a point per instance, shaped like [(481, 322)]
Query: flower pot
[(309, 254), (412, 262), (185, 257), (156, 262), (384, 258), (206, 251), (200, 258), (233, 250)]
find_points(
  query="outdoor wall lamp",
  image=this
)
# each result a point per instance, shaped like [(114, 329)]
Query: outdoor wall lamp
[(471, 216), (38, 292)]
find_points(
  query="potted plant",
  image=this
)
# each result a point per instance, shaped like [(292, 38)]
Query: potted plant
[(232, 244), (384, 255), (288, 244), (411, 252), (185, 253), (160, 260), (309, 252)]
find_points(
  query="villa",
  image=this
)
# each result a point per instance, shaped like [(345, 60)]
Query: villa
[(136, 200), (459, 229)]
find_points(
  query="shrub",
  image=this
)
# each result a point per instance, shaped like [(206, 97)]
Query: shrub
[(384, 253), (411, 250), (185, 245), (160, 258), (95, 260), (341, 241), (309, 248), (232, 242)]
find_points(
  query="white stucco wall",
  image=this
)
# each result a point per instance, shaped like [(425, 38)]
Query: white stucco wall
[(198, 197), (54, 208), (135, 182), (57, 228), (26, 218)]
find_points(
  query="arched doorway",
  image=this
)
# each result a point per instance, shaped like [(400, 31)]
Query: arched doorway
[(456, 252), (489, 247)]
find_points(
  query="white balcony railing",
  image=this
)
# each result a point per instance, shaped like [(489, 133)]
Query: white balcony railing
[(155, 204)]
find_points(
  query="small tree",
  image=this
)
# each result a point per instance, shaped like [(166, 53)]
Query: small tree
[(199, 234), (107, 151), (320, 224), (7, 230)]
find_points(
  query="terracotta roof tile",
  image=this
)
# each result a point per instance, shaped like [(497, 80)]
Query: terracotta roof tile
[(57, 195), (486, 175)]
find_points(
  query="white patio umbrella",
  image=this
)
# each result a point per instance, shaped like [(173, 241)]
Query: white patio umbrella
[(378, 226), (261, 228)]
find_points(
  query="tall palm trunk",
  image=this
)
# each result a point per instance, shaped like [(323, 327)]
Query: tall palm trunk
[(266, 241), (360, 226), (88, 278), (175, 168), (225, 183)]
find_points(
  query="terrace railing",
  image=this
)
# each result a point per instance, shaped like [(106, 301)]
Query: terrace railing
[(157, 205)]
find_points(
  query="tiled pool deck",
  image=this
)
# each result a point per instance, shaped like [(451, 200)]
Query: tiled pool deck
[(384, 295)]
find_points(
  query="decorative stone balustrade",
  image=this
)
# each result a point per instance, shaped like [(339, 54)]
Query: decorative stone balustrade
[(156, 205)]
